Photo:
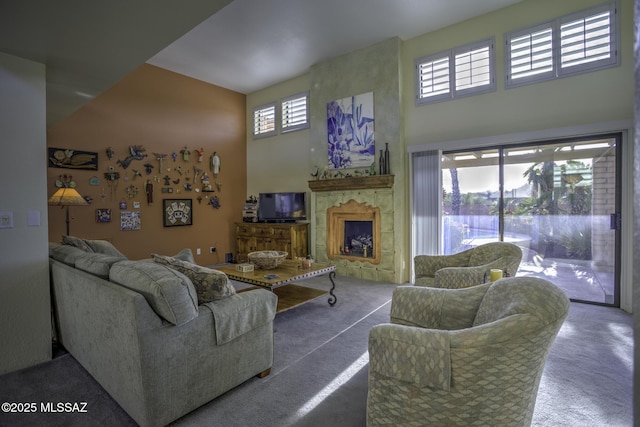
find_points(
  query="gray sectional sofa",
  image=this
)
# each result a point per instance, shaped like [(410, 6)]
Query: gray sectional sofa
[(140, 330)]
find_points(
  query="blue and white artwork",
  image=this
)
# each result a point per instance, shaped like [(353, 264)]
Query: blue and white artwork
[(350, 132)]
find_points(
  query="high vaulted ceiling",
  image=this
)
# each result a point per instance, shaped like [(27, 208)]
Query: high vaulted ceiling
[(241, 45)]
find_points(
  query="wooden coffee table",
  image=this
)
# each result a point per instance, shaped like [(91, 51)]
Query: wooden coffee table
[(287, 272)]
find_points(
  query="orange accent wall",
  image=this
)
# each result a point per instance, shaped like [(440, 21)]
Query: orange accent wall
[(164, 112)]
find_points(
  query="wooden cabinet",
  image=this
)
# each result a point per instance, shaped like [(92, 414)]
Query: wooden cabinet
[(291, 238)]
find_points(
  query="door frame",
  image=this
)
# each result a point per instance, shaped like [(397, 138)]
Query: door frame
[(617, 137)]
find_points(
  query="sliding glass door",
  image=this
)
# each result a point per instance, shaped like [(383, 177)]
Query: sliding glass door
[(559, 201)]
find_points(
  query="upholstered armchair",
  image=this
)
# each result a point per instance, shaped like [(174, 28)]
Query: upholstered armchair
[(463, 357), (466, 268)]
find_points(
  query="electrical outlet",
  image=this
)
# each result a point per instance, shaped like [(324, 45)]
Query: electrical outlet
[(212, 249), (6, 219), (198, 251)]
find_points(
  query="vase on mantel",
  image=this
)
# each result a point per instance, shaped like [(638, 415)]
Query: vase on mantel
[(387, 169), (381, 164)]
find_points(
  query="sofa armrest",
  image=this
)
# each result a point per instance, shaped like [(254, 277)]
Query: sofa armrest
[(241, 313), (394, 350)]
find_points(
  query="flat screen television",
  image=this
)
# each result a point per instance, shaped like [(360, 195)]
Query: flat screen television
[(282, 207)]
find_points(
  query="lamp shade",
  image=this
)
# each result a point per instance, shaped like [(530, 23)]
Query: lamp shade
[(67, 196)]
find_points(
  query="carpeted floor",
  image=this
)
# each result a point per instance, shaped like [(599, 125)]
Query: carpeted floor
[(319, 375)]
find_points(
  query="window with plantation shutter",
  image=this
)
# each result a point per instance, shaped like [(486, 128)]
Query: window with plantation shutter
[(264, 121), (295, 112), (474, 69), (463, 71), (529, 55), (577, 43), (588, 40), (433, 78)]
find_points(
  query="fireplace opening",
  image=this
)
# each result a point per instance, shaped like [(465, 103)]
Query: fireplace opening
[(353, 232), (358, 239)]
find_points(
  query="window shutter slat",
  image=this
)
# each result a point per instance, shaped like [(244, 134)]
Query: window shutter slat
[(295, 113), (434, 77), (264, 121)]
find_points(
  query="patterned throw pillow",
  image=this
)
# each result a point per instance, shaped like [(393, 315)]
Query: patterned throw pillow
[(77, 242), (210, 284)]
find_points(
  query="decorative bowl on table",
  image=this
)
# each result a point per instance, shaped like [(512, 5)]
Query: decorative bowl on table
[(267, 259)]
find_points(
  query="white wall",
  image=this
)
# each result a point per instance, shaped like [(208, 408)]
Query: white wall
[(25, 315)]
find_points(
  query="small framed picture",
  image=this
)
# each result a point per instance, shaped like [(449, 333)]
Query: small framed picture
[(130, 221), (177, 212), (103, 215)]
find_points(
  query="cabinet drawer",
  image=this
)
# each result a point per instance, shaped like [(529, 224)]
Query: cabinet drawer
[(281, 232), (244, 230), (262, 231)]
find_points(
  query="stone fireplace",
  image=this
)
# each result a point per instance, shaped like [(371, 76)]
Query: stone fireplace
[(353, 225)]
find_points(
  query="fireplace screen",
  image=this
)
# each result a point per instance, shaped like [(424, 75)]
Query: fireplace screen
[(358, 238)]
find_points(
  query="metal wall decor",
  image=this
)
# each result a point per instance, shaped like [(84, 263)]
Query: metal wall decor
[(137, 152), (143, 172), (72, 159)]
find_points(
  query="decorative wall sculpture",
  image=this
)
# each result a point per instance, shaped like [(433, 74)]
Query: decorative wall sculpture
[(72, 159)]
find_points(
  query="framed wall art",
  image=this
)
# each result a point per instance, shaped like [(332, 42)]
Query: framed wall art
[(103, 215), (177, 212), (350, 142), (130, 221)]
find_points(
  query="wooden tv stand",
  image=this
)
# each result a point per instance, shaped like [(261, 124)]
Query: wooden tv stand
[(292, 238)]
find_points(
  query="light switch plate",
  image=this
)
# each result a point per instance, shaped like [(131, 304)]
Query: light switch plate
[(33, 218), (6, 219)]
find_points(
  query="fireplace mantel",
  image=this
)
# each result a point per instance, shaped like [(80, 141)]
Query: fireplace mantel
[(352, 183)]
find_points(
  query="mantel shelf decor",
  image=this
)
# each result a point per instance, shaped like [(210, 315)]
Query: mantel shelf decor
[(352, 183)]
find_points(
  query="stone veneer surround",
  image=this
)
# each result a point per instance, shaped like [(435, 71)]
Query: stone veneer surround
[(381, 198)]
